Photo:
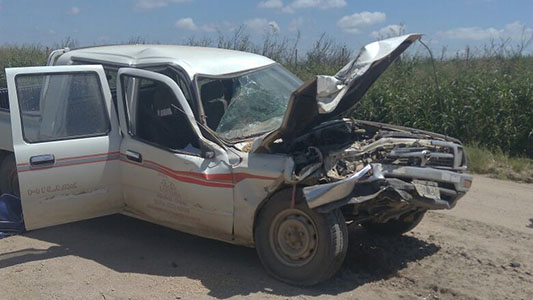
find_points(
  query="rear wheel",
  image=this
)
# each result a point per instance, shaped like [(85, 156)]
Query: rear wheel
[(398, 226), (9, 182), (298, 245)]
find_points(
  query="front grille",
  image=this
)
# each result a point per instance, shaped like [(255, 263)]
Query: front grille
[(441, 162), (442, 157)]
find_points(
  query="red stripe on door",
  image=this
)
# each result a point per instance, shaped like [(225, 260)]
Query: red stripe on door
[(228, 179)]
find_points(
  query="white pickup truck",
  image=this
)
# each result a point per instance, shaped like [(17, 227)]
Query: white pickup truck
[(222, 144)]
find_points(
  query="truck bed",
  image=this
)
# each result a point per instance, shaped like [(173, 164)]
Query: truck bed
[(5, 122)]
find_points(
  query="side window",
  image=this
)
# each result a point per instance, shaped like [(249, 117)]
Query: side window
[(61, 106), (156, 117)]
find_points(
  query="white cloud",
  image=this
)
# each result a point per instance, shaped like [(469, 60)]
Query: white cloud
[(389, 31), (304, 3), (188, 24), (74, 10), (332, 4), (514, 30), (270, 4), (356, 22), (472, 33), (150, 4), (296, 24), (322, 4), (261, 25)]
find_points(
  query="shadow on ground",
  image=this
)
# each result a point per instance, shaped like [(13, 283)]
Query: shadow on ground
[(128, 245)]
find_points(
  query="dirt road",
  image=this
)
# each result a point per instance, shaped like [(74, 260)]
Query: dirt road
[(482, 249)]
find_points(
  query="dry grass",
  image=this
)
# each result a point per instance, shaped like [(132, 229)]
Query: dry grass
[(499, 165)]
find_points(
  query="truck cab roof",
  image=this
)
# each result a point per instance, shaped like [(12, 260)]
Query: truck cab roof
[(194, 60)]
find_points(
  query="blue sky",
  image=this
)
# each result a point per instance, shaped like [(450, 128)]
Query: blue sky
[(451, 23)]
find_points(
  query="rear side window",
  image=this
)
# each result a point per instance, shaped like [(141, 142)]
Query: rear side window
[(61, 106)]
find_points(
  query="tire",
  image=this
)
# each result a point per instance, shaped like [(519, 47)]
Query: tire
[(299, 246), (9, 183), (396, 226)]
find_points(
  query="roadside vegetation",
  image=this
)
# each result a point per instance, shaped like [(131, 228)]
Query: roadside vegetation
[(499, 165), (483, 97)]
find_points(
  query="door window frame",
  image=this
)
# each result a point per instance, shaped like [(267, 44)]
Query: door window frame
[(180, 72), (102, 97), (127, 110)]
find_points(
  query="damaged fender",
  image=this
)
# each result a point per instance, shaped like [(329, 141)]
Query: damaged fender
[(325, 193), (325, 197)]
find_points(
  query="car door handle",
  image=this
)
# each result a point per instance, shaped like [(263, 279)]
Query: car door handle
[(42, 160), (134, 156)]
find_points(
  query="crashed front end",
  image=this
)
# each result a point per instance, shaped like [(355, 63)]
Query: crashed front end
[(377, 173), (374, 172)]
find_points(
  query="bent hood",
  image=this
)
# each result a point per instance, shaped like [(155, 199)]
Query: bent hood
[(327, 97)]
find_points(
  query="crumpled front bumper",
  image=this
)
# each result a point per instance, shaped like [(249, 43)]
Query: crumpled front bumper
[(452, 186)]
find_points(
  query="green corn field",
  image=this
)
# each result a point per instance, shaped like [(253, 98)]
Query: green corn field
[(485, 100)]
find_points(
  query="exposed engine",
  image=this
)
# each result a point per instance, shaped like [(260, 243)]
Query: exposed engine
[(343, 147), (377, 172)]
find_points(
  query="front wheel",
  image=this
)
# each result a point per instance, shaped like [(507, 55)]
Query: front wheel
[(398, 226), (298, 245)]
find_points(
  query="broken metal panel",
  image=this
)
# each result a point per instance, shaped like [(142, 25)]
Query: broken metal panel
[(389, 177), (324, 193), (416, 168), (371, 61), (458, 180), (368, 191)]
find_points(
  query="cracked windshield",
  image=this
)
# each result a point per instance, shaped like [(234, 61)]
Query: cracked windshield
[(249, 104)]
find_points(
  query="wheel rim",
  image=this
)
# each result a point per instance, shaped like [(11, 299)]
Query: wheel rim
[(293, 237)]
